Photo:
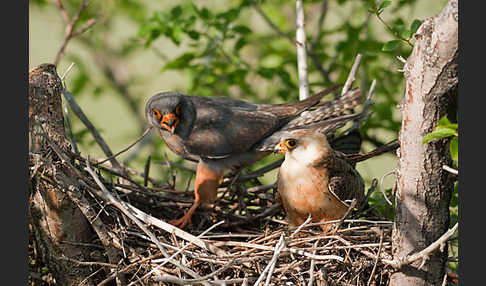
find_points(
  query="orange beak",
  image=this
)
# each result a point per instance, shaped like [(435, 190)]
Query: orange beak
[(280, 148), (169, 121)]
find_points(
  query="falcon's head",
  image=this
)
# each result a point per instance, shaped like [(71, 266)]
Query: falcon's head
[(170, 111), (303, 145)]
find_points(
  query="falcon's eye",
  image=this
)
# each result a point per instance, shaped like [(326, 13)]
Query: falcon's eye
[(290, 143), (178, 110), (156, 113)]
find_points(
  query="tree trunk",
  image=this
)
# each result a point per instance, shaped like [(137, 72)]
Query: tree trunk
[(57, 223), (424, 189)]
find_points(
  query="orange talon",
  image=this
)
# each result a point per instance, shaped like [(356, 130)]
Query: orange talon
[(205, 190), (186, 219)]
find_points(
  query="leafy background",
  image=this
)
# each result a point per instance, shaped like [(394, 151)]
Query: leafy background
[(239, 48)]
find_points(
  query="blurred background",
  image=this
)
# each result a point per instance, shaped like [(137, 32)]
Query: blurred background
[(131, 50)]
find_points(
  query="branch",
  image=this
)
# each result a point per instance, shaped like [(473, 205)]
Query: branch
[(310, 50), (301, 51), (397, 263), (96, 135), (352, 74), (271, 23), (70, 32), (271, 265), (450, 170), (393, 32)]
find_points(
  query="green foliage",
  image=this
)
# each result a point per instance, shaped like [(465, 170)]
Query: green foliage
[(445, 129)]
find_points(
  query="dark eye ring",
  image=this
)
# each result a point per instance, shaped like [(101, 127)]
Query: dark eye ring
[(291, 143)]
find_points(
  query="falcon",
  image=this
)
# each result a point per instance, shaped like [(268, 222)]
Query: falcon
[(221, 133), (315, 179)]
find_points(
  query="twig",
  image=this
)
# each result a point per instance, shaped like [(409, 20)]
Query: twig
[(393, 32), (271, 265), (261, 171), (381, 186), (96, 135), (70, 33), (312, 266), (129, 146), (376, 260), (67, 71), (182, 249), (398, 262), (312, 49), (348, 211), (301, 51), (271, 23), (88, 263), (146, 171), (66, 113), (286, 249), (450, 170), (306, 222), (352, 74), (320, 23)]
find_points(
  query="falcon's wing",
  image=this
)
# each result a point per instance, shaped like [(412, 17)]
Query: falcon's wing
[(344, 181), (220, 131)]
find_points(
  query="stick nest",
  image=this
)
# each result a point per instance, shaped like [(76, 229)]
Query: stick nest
[(246, 226)]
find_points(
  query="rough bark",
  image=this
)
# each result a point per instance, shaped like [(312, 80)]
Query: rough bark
[(424, 189), (57, 222)]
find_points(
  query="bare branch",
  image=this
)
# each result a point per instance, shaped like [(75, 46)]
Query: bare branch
[(450, 170), (352, 74), (278, 248), (397, 263), (96, 135), (70, 32), (301, 51), (129, 146)]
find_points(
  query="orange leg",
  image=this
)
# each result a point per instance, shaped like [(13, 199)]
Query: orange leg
[(183, 221), (205, 189)]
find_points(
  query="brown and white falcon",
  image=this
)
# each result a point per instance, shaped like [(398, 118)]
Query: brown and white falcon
[(222, 133), (315, 179)]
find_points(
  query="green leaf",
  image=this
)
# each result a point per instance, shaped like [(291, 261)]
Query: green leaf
[(180, 62), (406, 34), (242, 29), (454, 148), (240, 44), (439, 134), (267, 73), (176, 11), (193, 34), (390, 46), (445, 123), (384, 4), (415, 25)]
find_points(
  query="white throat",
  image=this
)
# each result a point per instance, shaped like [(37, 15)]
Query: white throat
[(304, 155)]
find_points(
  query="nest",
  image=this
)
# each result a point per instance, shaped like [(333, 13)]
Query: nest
[(241, 240)]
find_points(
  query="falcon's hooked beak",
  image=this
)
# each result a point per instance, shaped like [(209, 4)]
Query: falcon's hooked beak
[(280, 148), (169, 121)]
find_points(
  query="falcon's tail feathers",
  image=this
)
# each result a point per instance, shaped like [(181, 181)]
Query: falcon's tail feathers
[(294, 108), (329, 109)]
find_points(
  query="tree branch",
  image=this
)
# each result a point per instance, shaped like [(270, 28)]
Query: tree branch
[(70, 32), (301, 51)]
